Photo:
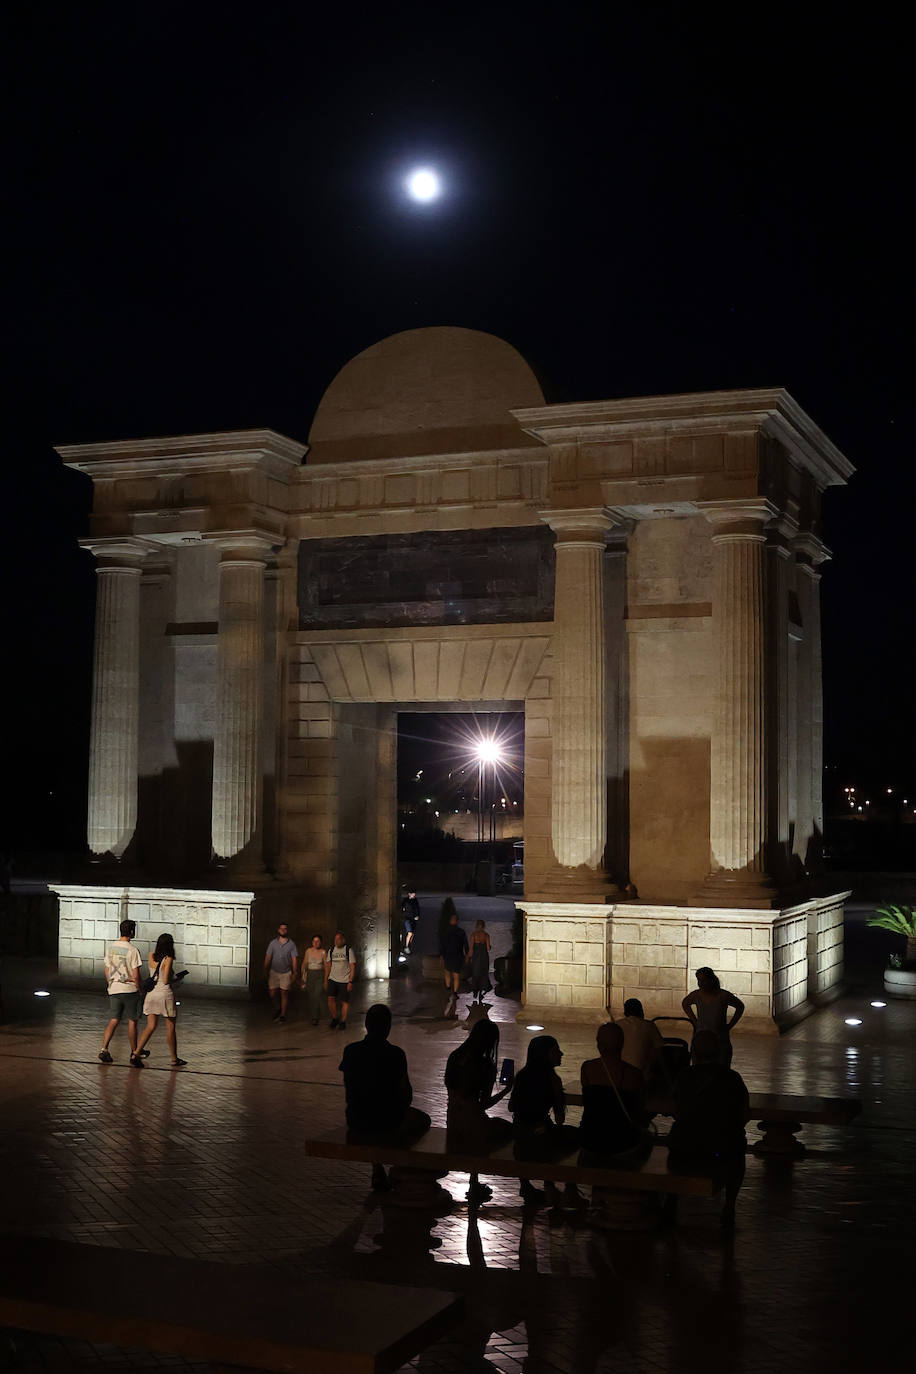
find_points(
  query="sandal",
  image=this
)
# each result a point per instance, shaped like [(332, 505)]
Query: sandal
[(136, 1062), (178, 1063)]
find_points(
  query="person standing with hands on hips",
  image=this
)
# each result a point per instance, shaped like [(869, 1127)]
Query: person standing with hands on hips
[(280, 965), (339, 973)]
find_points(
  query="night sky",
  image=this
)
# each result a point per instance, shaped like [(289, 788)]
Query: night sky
[(205, 221)]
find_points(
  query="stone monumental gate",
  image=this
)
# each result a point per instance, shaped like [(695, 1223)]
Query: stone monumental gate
[(641, 577)]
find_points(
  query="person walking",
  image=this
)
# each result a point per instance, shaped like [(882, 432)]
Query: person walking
[(479, 959), (454, 951), (707, 1009), (122, 973), (160, 1001), (410, 915), (313, 977), (281, 963), (339, 974)]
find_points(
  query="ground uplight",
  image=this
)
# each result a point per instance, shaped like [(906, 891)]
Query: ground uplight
[(42, 993), (853, 1021), (534, 1028), (878, 1004)]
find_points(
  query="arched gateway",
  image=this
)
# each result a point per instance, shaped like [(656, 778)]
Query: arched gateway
[(639, 576)]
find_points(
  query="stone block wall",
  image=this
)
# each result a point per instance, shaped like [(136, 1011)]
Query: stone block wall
[(780, 963), (210, 929), (566, 960), (825, 946), (310, 802)]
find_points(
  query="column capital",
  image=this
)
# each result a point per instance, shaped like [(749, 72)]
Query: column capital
[(810, 553), (125, 552), (588, 525), (739, 520), (242, 546)]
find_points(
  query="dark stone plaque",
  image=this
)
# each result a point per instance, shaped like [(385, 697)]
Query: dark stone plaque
[(452, 577)]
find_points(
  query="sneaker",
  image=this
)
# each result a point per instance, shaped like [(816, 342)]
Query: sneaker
[(136, 1062), (332, 1025), (144, 1054), (105, 1057)]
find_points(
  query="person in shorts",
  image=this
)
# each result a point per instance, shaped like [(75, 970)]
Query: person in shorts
[(281, 963), (339, 972), (122, 974), (410, 915)]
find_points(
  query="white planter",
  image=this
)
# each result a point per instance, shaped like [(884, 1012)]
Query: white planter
[(900, 982)]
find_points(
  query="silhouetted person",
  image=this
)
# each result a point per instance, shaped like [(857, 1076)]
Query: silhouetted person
[(613, 1098), (642, 1041), (453, 947), (538, 1107), (707, 1008), (378, 1090), (470, 1076), (711, 1108)]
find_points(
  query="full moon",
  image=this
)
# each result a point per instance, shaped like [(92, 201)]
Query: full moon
[(423, 184)]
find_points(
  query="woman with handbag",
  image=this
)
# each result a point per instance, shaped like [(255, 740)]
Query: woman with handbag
[(160, 1001)]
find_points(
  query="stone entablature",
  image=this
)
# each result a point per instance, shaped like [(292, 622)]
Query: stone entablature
[(210, 930)]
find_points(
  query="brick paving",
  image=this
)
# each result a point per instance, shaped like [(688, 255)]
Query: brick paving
[(817, 1274)]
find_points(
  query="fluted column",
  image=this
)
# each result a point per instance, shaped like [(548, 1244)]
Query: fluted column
[(239, 704), (738, 746), (810, 553), (114, 732), (579, 721)]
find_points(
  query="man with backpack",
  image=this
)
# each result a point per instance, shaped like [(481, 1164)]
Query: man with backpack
[(339, 973)]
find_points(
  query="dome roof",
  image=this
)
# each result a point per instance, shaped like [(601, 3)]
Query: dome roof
[(438, 390)]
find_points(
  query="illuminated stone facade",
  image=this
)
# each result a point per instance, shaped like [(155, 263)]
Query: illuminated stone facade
[(639, 576)]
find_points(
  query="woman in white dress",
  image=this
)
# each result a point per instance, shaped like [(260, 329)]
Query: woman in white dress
[(161, 1002)]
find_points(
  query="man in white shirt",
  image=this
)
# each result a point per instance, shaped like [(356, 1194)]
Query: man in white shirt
[(122, 973), (339, 973), (642, 1041)]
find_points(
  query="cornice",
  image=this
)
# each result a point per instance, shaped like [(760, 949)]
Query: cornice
[(375, 467), (220, 451), (769, 409)]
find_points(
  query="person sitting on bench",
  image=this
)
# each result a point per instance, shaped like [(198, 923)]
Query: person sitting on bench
[(613, 1100), (378, 1091), (470, 1074), (537, 1093), (710, 1108)]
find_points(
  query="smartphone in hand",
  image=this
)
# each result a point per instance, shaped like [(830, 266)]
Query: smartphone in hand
[(507, 1072)]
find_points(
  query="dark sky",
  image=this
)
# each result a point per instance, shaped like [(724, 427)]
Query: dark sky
[(206, 224)]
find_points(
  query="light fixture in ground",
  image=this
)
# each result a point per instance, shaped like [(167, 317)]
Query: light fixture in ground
[(878, 1004), (534, 1028), (42, 993), (853, 1021)]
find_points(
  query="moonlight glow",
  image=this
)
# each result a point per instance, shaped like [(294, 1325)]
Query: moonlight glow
[(423, 184)]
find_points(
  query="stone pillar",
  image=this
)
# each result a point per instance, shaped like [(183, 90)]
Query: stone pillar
[(115, 696), (779, 555), (738, 829), (810, 553), (235, 814), (579, 725)]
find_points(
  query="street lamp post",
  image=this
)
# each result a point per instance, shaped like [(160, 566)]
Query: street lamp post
[(487, 752)]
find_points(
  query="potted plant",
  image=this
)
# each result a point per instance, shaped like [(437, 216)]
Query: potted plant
[(900, 975)]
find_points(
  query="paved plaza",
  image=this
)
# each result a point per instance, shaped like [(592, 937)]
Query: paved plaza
[(210, 1164)]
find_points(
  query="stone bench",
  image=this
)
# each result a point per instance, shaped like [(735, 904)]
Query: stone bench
[(781, 1115), (417, 1168), (239, 1314)]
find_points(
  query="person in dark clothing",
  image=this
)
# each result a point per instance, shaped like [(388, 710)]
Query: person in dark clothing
[(711, 1107), (613, 1098), (378, 1090), (536, 1098), (470, 1075), (454, 951), (410, 915)]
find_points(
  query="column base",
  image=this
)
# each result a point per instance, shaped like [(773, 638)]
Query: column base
[(737, 888), (581, 884)]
